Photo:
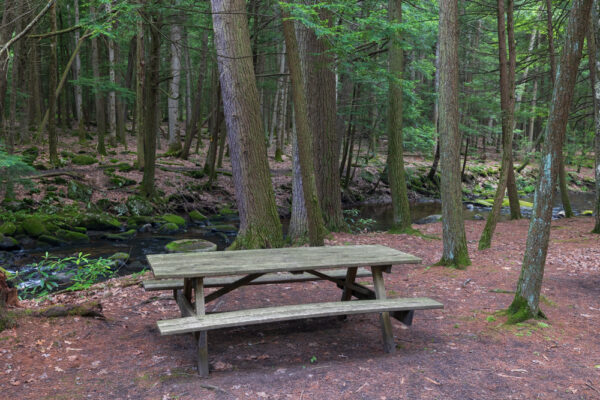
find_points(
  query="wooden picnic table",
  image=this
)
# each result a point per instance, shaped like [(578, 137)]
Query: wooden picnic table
[(251, 265)]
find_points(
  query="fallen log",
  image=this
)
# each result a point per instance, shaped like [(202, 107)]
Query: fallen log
[(90, 309)]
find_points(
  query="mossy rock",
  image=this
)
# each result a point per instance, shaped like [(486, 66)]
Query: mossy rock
[(223, 228), (190, 246), (104, 204), (79, 191), (226, 211), (84, 159), (135, 221), (585, 212), (121, 236), (8, 228), (139, 206), (120, 258), (197, 216), (175, 219), (98, 222), (51, 240), (483, 203), (34, 227), (72, 236), (8, 243), (79, 229), (168, 228)]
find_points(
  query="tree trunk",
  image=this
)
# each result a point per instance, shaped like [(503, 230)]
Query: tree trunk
[(112, 96), (76, 76), (455, 251), (526, 302), (316, 228), (174, 143), (98, 95), (140, 79), (395, 160), (320, 88), (52, 71), (594, 63), (151, 108), (298, 229), (507, 106), (259, 221), (6, 30)]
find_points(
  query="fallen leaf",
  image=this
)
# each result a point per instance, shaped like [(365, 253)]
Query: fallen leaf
[(432, 381)]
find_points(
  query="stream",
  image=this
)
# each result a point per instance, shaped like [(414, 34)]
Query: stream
[(374, 217)]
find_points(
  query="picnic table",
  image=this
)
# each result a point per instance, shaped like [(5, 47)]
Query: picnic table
[(186, 274)]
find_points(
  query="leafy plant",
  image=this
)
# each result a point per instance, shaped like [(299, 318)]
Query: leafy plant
[(13, 170), (357, 224)]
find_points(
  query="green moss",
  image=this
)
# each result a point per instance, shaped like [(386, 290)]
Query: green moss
[(72, 237), (34, 226), (462, 261), (139, 206), (121, 236), (120, 256), (124, 167), (585, 212), (7, 320), (98, 222), (223, 228), (169, 227), (518, 311), (8, 228), (194, 215), (52, 240), (79, 191), (83, 159), (175, 219), (190, 245), (8, 243), (226, 210)]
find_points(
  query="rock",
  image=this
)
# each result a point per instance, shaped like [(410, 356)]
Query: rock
[(190, 246), (585, 212), (79, 191), (174, 219), (470, 206), (72, 236), (121, 236), (429, 219), (223, 228), (561, 214), (478, 217), (83, 159), (8, 228), (98, 222), (120, 258), (8, 243), (135, 266), (52, 240), (195, 216), (227, 211), (139, 206), (34, 226), (146, 228), (168, 228), (104, 204)]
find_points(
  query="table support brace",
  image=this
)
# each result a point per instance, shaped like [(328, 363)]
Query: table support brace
[(386, 324)]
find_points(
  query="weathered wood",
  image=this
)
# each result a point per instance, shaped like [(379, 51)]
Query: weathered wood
[(189, 265), (386, 324), (201, 337), (167, 284), (350, 277), (228, 288), (293, 312), (184, 304)]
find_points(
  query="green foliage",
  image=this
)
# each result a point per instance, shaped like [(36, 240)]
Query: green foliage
[(13, 170), (44, 277), (357, 224)]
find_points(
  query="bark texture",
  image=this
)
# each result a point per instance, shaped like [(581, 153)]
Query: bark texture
[(526, 302), (259, 221), (52, 72), (594, 61), (454, 239)]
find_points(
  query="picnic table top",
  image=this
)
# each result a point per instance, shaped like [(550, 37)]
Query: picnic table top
[(221, 263)]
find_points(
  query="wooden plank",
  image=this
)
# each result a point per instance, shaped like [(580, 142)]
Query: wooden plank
[(293, 312), (278, 277), (202, 339), (228, 288), (245, 262), (350, 277), (386, 324), (184, 305)]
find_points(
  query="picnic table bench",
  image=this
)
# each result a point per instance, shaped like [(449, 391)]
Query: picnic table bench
[(189, 273)]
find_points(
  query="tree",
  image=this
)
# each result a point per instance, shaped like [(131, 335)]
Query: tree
[(594, 64), (526, 302), (507, 105), (455, 242), (316, 229), (259, 222), (98, 95), (395, 160), (76, 76), (52, 72), (174, 145)]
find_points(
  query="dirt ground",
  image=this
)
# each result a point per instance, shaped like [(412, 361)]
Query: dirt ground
[(460, 352)]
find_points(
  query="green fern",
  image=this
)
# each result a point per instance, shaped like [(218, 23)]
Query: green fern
[(13, 170)]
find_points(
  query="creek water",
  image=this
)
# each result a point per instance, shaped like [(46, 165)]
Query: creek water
[(375, 217)]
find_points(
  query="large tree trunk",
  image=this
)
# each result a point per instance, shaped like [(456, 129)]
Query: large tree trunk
[(140, 80), (174, 144), (395, 160), (52, 71), (507, 105), (76, 76), (259, 221), (526, 302), (320, 87), (5, 34), (112, 95), (316, 229), (594, 62), (151, 108), (98, 95), (453, 228)]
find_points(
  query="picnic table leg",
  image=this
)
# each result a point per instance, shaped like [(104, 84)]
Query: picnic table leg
[(202, 342), (386, 325), (350, 277)]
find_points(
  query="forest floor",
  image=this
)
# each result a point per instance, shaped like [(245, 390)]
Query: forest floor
[(461, 352)]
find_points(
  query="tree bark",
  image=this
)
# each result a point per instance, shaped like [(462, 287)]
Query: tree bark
[(76, 76), (259, 221), (174, 143), (112, 96), (98, 95), (140, 79), (316, 228), (526, 302), (395, 160), (52, 71), (455, 251), (594, 63)]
